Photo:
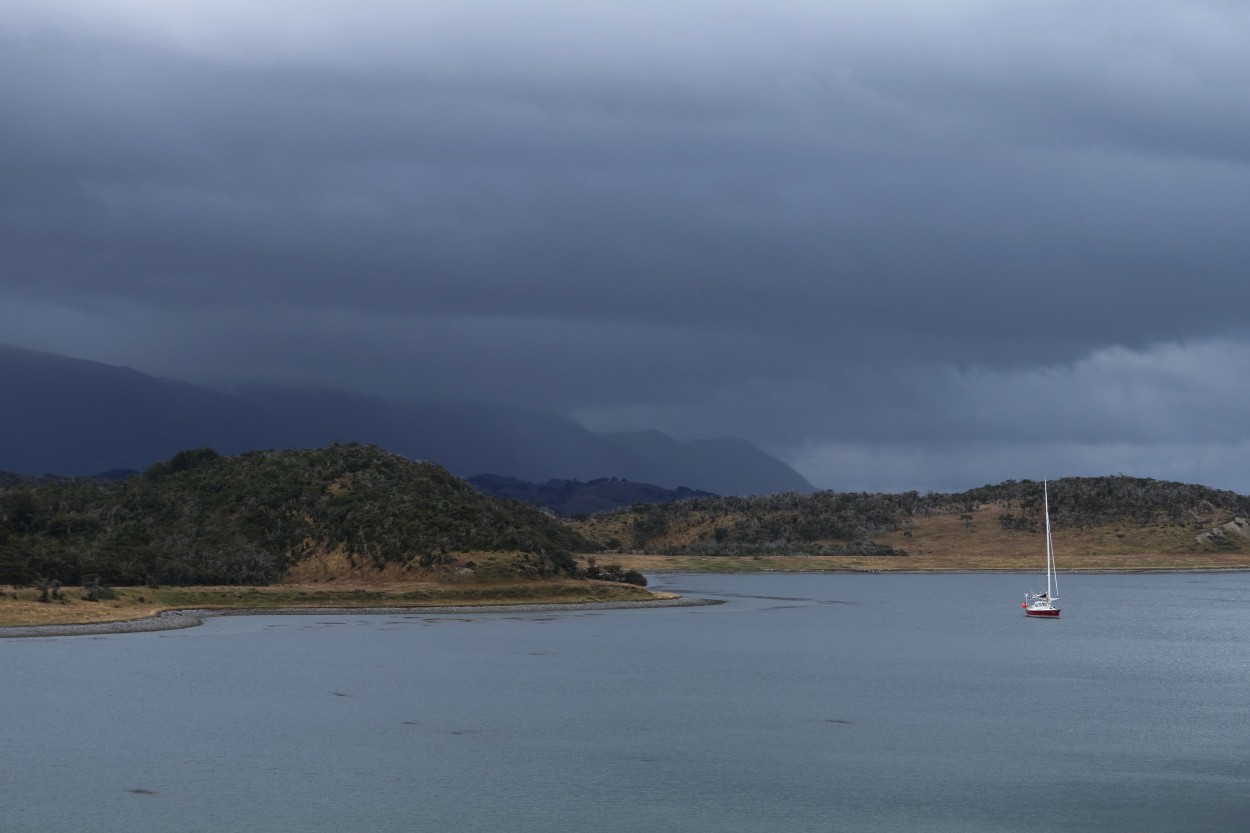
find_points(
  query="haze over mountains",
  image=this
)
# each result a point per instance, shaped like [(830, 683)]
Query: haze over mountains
[(70, 416)]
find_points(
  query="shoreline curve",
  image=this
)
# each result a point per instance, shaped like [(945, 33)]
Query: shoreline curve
[(170, 620)]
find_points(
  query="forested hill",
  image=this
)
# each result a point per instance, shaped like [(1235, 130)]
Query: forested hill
[(203, 518), (856, 522)]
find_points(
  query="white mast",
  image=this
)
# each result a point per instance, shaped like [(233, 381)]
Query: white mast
[(1050, 552)]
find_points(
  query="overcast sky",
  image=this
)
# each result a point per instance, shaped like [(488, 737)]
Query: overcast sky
[(902, 245)]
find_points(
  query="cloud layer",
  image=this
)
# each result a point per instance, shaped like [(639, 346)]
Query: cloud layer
[(905, 245)]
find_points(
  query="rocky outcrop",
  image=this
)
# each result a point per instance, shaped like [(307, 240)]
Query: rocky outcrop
[(1236, 528)]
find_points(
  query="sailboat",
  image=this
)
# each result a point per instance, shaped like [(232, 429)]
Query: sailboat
[(1043, 604)]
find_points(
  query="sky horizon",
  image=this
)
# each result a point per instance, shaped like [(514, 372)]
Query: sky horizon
[(899, 245)]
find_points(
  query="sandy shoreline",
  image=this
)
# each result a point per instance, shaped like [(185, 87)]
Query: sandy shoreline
[(169, 620)]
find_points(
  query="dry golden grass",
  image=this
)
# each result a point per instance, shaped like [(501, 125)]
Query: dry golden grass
[(336, 567), (22, 607)]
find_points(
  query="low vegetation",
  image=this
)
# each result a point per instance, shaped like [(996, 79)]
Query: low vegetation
[(1114, 519)]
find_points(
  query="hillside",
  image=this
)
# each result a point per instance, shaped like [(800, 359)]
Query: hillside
[(1100, 522), (203, 518), (75, 417)]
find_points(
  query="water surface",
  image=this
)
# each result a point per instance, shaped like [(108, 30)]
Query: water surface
[(805, 703)]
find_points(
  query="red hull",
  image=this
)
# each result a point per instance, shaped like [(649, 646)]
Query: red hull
[(1053, 614)]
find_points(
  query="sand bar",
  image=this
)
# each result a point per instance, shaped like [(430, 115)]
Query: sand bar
[(174, 619)]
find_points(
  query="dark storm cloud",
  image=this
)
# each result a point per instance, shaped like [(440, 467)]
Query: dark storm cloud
[(836, 229)]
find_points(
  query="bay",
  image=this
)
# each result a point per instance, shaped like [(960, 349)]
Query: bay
[(811, 702)]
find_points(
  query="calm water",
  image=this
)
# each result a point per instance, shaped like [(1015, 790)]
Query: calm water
[(806, 703)]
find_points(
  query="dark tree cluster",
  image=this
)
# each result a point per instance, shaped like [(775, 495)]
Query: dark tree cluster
[(613, 572)]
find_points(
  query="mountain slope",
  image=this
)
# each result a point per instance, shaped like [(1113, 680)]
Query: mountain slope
[(735, 465), (68, 416), (574, 497), (76, 417)]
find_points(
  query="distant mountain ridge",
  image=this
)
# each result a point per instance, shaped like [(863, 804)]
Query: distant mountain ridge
[(573, 497), (76, 417)]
